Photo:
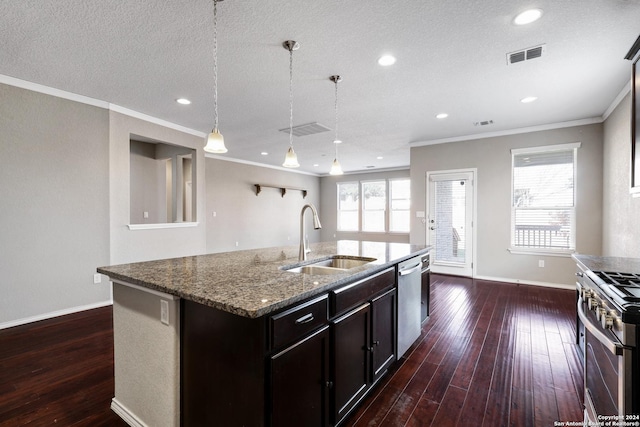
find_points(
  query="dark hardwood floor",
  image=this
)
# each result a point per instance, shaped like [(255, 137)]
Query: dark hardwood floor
[(59, 372), (491, 354)]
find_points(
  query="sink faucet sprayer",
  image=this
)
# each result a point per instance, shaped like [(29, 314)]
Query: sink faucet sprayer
[(304, 240)]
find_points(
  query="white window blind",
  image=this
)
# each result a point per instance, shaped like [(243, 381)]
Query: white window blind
[(543, 198)]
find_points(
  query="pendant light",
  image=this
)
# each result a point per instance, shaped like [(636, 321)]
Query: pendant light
[(215, 140), (291, 160), (336, 169)]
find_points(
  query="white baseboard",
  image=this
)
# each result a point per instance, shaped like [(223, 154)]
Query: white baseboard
[(527, 282), (53, 314), (124, 413)]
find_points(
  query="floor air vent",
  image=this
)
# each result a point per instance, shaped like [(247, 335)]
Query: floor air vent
[(525, 54), (308, 129)]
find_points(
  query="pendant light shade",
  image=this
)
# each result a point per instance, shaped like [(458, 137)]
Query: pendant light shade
[(291, 160), (215, 143), (336, 169), (215, 140)]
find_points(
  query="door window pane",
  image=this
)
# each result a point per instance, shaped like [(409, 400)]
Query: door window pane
[(450, 218)]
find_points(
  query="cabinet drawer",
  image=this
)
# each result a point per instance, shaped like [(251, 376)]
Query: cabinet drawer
[(294, 323), (361, 291)]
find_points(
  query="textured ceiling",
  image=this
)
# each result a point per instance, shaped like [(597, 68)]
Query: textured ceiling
[(142, 55)]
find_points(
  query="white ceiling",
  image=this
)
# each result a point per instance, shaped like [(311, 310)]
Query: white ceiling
[(142, 55)]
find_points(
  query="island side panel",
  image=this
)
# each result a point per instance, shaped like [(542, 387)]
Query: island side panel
[(146, 356), (223, 368)]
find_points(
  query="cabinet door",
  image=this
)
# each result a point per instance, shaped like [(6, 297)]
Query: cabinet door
[(383, 333), (299, 383), (350, 338)]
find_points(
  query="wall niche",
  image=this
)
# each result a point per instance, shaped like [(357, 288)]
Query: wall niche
[(162, 182)]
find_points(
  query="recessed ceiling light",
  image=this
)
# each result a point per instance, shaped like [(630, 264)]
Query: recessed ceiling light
[(264, 153), (442, 116), (386, 60), (528, 99), (315, 165), (183, 101), (379, 157), (527, 17), (337, 141)]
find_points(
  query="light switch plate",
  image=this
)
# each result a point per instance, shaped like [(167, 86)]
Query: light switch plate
[(164, 312)]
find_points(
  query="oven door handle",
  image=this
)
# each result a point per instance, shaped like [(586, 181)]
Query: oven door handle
[(612, 346)]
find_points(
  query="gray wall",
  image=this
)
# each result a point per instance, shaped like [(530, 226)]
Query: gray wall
[(256, 221), (621, 212), (492, 158), (329, 203), (54, 221), (142, 245)]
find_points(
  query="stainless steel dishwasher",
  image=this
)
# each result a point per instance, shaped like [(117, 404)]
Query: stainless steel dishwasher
[(409, 303)]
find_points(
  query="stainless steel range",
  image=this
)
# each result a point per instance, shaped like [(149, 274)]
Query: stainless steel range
[(608, 318)]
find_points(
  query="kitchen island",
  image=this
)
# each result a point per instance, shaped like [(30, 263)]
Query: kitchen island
[(234, 338)]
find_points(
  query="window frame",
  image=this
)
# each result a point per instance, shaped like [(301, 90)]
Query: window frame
[(361, 206), (573, 220), (384, 209), (390, 204), (357, 210)]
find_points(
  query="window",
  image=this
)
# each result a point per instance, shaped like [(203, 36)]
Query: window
[(543, 198), (348, 199), (400, 203), (363, 206), (374, 202)]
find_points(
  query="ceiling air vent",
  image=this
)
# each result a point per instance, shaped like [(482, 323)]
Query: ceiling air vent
[(308, 129), (525, 54), (483, 123)]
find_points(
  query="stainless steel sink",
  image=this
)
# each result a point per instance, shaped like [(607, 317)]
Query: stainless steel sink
[(336, 264)]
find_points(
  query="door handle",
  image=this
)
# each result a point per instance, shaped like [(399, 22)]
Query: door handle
[(432, 228), (410, 270)]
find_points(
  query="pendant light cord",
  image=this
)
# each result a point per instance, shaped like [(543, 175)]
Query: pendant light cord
[(335, 143), (336, 110), (215, 63), (291, 96)]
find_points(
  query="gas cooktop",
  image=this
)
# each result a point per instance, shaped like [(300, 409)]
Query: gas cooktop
[(623, 289), (623, 279)]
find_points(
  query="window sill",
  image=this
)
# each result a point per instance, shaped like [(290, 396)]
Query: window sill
[(162, 225), (566, 253)]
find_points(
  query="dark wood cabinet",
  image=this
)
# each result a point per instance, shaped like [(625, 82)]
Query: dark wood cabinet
[(351, 344), (383, 333), (309, 364), (300, 383), (424, 294)]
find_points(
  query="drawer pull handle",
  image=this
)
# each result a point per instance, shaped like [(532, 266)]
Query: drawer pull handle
[(305, 319)]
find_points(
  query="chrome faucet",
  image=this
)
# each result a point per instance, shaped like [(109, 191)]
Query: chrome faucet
[(304, 241)]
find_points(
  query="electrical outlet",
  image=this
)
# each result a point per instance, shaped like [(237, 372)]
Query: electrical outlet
[(237, 244), (541, 263), (164, 311), (97, 278), (145, 215)]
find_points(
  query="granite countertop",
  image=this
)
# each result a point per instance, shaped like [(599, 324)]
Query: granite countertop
[(605, 263), (251, 283)]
